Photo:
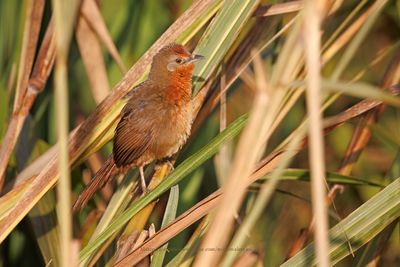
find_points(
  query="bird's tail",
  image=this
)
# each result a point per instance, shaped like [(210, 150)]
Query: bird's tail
[(102, 176)]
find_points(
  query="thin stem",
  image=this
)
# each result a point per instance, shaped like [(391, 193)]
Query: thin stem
[(64, 13), (312, 15)]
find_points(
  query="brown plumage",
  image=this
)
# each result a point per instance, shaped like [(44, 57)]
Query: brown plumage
[(155, 122)]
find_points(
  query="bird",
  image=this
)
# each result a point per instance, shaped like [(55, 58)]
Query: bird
[(155, 122)]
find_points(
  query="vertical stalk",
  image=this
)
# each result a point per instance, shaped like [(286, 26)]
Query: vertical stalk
[(64, 19), (312, 19)]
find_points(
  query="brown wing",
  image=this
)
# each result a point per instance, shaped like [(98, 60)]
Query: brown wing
[(132, 138)]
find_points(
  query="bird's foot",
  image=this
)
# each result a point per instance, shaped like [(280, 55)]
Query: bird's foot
[(170, 165)]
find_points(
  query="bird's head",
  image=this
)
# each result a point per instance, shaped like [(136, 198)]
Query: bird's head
[(171, 60)]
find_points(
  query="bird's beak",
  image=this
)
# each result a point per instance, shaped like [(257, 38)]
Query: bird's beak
[(194, 58)]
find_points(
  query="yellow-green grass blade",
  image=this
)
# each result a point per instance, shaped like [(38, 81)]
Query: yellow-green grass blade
[(196, 27), (138, 222), (331, 177), (358, 228), (169, 216), (186, 256), (359, 90), (371, 250), (220, 36), (43, 218), (118, 202)]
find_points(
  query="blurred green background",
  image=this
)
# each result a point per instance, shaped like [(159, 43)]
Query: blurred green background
[(134, 25)]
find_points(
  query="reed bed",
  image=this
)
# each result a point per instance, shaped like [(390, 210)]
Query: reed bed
[(293, 157)]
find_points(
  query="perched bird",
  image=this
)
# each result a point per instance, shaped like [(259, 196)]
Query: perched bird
[(155, 122)]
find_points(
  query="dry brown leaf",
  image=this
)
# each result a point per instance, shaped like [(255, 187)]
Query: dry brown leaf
[(92, 14), (40, 74), (362, 133), (34, 14), (92, 56), (278, 9), (32, 26)]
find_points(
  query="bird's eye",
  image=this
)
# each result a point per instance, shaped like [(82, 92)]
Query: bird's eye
[(178, 60)]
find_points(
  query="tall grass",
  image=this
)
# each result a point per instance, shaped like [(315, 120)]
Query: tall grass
[(64, 17), (293, 155), (313, 17)]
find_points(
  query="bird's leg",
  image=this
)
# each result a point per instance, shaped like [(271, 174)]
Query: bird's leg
[(142, 180)]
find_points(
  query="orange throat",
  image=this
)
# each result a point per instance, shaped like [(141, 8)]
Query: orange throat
[(179, 89)]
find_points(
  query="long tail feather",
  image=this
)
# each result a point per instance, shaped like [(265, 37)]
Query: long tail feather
[(100, 179)]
